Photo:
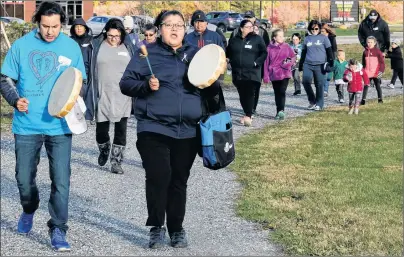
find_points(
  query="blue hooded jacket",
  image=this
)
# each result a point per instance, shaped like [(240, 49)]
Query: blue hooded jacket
[(175, 108)]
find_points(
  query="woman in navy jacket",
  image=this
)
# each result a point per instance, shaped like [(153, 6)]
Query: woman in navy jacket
[(167, 110)]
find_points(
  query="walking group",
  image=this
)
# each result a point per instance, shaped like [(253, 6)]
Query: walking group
[(117, 82)]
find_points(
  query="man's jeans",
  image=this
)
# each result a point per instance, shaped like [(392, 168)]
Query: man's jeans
[(27, 152), (316, 71)]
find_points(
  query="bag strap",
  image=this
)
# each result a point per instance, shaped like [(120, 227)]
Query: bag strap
[(205, 104)]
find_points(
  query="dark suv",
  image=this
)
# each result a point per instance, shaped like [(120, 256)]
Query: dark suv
[(225, 20)]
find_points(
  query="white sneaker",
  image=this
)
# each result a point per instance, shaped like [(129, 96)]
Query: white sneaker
[(317, 108), (351, 110), (390, 86), (356, 111), (311, 107), (341, 101)]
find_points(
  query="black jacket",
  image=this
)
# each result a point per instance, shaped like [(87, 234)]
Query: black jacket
[(175, 108), (91, 95), (243, 53), (379, 29), (262, 32), (85, 43), (396, 58), (333, 42)]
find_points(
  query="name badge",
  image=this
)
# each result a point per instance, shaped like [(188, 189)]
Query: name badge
[(248, 46), (376, 28), (123, 53)]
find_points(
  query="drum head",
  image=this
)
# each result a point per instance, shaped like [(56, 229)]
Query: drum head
[(206, 66), (75, 118), (65, 92)]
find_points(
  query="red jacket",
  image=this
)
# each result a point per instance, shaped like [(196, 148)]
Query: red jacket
[(373, 61), (355, 85)]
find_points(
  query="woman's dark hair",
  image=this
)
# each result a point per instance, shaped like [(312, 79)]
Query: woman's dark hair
[(312, 23), (169, 13), (158, 20), (48, 9), (353, 62), (328, 29), (296, 35), (115, 23), (275, 33), (149, 26), (244, 22)]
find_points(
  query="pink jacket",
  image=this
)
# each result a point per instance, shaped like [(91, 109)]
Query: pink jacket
[(276, 66), (373, 62)]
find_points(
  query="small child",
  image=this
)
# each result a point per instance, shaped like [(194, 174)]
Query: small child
[(396, 58), (354, 74), (297, 47), (339, 68), (373, 63)]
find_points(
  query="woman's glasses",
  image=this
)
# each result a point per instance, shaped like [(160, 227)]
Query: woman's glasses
[(176, 26)]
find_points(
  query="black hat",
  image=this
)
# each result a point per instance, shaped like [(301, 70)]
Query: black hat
[(198, 16), (249, 14)]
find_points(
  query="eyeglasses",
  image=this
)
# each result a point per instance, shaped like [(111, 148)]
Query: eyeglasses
[(148, 35), (314, 28), (176, 26), (248, 27), (113, 36)]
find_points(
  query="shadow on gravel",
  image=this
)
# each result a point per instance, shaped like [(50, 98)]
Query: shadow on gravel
[(12, 228), (82, 210)]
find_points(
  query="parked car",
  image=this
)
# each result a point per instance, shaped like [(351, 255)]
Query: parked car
[(8, 20), (225, 20), (265, 23), (97, 23), (301, 25), (140, 21)]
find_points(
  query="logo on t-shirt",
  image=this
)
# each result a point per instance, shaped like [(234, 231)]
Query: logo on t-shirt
[(318, 43), (43, 65)]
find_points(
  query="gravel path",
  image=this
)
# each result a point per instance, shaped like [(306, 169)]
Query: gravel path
[(108, 212)]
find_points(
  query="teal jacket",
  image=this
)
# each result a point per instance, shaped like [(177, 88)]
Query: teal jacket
[(339, 69)]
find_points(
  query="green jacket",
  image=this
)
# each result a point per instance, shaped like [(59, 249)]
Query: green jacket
[(339, 69)]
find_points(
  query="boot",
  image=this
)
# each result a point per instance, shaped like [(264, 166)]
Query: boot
[(104, 153), (116, 158)]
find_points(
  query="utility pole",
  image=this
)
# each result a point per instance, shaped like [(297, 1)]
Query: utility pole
[(260, 9), (319, 11), (272, 13), (343, 12), (308, 18)]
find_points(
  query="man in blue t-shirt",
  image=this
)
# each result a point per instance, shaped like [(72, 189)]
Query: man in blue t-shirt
[(29, 72)]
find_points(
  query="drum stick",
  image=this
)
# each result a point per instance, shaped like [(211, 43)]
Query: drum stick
[(144, 52)]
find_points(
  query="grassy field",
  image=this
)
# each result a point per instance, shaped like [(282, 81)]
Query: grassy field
[(328, 183)]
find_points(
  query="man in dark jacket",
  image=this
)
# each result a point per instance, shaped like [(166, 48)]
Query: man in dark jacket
[(83, 35), (210, 27), (249, 15), (202, 36), (374, 25)]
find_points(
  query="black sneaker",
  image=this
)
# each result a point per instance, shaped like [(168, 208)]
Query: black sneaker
[(157, 237), (179, 239), (297, 92), (363, 102), (380, 101)]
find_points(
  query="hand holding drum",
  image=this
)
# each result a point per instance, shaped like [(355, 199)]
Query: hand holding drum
[(207, 65)]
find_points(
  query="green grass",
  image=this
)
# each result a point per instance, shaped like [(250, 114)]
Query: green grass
[(328, 183)]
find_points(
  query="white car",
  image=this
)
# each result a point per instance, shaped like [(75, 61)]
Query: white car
[(97, 23), (8, 20)]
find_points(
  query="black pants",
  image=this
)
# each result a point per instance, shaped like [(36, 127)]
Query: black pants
[(102, 132), (167, 162), (280, 87), (399, 74), (256, 96), (378, 89), (340, 91), (246, 91)]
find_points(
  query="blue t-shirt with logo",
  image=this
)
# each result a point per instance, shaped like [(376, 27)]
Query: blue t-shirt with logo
[(36, 65), (316, 45)]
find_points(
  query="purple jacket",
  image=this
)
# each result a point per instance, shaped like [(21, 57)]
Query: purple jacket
[(276, 66)]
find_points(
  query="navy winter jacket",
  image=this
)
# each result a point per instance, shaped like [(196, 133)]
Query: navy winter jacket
[(175, 108), (208, 37)]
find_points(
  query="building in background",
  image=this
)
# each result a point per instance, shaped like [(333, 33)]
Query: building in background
[(25, 9)]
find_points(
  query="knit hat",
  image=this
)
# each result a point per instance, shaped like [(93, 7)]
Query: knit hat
[(128, 22), (396, 41), (249, 14), (198, 16)]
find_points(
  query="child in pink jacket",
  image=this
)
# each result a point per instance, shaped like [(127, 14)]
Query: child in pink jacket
[(278, 69), (373, 63)]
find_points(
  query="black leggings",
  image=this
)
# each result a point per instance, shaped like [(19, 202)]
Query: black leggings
[(102, 132), (378, 83), (399, 74), (246, 90), (280, 87)]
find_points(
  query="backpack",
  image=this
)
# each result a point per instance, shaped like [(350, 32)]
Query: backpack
[(216, 133)]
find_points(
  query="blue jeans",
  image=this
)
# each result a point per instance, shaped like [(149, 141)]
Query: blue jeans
[(27, 152), (327, 81), (316, 71)]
